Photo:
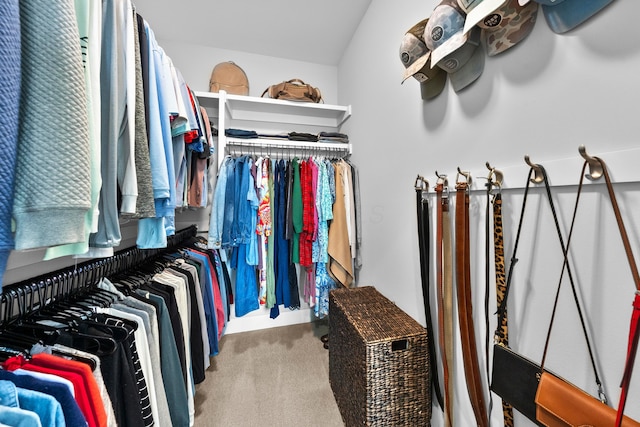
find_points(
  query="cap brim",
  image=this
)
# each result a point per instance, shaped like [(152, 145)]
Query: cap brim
[(481, 11), (523, 2), (415, 67), (434, 86), (565, 16), (469, 72), (454, 42)]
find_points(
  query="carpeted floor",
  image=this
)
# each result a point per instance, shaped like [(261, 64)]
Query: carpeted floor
[(277, 377)]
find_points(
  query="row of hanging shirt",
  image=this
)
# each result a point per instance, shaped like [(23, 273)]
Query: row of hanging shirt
[(125, 136), (129, 352), (270, 215)]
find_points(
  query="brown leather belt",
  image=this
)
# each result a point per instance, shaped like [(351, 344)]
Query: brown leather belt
[(444, 278), (465, 308), (634, 327)]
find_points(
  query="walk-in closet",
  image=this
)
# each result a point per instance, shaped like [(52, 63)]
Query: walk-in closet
[(277, 213)]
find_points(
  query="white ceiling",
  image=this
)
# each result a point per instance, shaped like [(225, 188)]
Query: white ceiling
[(316, 31)]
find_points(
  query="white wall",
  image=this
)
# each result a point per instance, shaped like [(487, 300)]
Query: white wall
[(543, 97), (196, 62)]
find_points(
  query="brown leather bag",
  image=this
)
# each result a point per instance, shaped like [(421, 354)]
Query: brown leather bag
[(228, 76), (561, 404), (294, 90)]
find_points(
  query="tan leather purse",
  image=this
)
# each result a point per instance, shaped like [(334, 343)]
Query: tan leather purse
[(294, 90), (561, 404)]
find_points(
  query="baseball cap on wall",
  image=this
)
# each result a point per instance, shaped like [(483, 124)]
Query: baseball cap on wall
[(459, 54), (465, 64), (444, 31), (415, 56), (505, 22), (565, 15)]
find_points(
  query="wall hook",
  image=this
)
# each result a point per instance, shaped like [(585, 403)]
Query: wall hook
[(538, 176), (495, 173), (442, 179), (595, 167), (465, 174), (421, 183)]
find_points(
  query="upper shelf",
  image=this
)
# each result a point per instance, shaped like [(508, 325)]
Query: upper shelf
[(276, 111)]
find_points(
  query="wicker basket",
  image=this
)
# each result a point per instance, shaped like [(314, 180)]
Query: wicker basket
[(378, 361)]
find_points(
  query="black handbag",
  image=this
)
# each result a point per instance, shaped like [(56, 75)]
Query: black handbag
[(515, 379)]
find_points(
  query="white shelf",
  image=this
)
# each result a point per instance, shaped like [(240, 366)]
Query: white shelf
[(230, 111), (251, 108)]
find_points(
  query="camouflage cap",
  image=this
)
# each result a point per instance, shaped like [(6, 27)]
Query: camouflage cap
[(565, 15), (508, 25), (414, 55), (413, 51), (444, 31)]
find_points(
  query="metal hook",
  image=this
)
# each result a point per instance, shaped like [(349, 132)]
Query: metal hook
[(466, 174), (442, 179), (595, 167), (421, 183), (538, 175), (495, 176)]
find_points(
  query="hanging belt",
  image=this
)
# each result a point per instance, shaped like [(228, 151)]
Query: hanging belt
[(498, 253), (444, 277), (422, 205), (634, 327), (465, 309)]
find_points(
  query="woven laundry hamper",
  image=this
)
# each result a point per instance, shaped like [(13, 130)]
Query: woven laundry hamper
[(378, 361)]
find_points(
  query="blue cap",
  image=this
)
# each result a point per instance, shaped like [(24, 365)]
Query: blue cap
[(565, 15), (444, 31)]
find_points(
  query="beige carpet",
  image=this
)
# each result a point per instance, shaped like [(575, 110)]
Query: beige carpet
[(269, 378)]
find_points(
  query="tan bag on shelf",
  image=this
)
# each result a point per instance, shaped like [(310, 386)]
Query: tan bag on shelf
[(294, 90), (228, 76)]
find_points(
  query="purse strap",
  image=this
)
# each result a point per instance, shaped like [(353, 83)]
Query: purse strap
[(422, 206), (634, 330), (541, 176)]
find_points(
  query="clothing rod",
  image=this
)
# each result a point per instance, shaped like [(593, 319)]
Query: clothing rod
[(19, 300), (285, 144)]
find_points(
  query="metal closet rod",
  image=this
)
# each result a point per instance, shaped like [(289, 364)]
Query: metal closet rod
[(20, 299)]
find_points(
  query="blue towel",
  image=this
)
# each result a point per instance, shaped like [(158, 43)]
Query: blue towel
[(9, 105)]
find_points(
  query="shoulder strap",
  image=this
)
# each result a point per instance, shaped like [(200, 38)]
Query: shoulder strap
[(634, 331), (539, 170)]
